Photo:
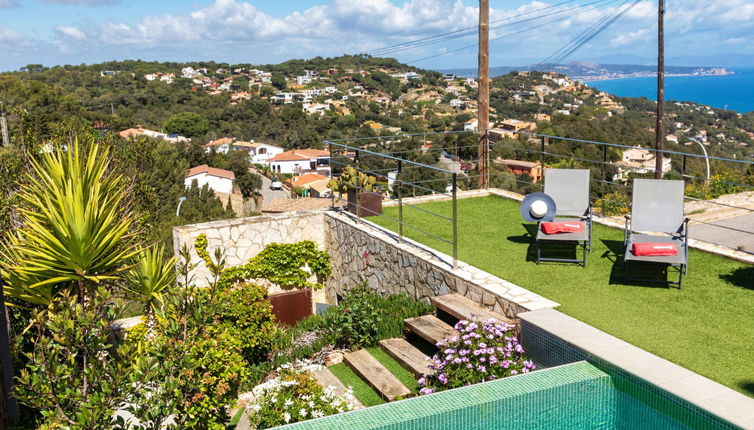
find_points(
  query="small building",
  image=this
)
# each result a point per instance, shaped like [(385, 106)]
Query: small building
[(638, 160), (458, 104), (218, 180), (519, 167), (672, 138), (141, 131), (241, 95), (221, 145), (471, 125), (301, 161)]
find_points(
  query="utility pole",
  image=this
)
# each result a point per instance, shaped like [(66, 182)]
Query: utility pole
[(4, 126), (483, 102), (660, 128)]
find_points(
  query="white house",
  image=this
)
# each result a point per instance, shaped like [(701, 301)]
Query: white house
[(189, 72), (471, 125), (315, 108), (303, 80), (458, 104), (218, 180), (221, 145), (259, 153), (639, 160), (301, 161)]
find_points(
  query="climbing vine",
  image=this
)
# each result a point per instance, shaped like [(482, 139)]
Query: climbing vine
[(288, 265)]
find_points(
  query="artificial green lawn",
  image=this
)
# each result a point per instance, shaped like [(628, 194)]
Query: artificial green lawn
[(361, 390), (707, 327), (407, 378)]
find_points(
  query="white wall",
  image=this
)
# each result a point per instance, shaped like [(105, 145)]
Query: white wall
[(270, 150), (216, 183)]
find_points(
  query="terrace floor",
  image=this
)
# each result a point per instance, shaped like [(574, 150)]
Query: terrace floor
[(707, 327)]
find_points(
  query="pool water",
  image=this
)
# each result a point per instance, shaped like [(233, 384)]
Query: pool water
[(572, 396)]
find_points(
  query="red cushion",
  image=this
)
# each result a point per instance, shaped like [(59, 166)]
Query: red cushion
[(562, 227), (654, 249)]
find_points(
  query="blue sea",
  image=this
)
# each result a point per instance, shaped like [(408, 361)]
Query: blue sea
[(734, 92)]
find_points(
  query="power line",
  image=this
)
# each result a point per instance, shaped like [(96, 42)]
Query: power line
[(493, 39), (584, 37), (444, 38), (389, 47)]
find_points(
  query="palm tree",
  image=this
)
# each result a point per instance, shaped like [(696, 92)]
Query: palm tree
[(77, 230), (151, 276)]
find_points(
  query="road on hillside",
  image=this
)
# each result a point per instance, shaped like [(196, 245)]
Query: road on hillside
[(270, 195)]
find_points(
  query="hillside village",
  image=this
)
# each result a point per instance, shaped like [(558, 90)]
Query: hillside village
[(400, 102)]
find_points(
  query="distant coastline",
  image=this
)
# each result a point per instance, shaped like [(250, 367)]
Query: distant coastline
[(732, 91), (587, 79)]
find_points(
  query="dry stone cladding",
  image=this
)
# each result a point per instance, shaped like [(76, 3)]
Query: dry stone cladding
[(360, 252)]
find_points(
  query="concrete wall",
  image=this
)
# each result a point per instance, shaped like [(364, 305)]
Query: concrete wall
[(361, 252), (243, 238), (216, 183)]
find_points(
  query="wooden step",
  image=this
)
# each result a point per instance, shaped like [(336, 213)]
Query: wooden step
[(326, 378), (376, 375), (430, 328), (464, 308), (406, 354)]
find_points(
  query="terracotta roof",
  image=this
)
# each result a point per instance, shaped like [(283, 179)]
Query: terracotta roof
[(299, 205), (300, 155), (220, 141), (302, 180), (244, 144), (222, 173), (519, 163)]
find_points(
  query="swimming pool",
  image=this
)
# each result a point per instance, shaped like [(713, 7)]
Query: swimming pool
[(571, 396)]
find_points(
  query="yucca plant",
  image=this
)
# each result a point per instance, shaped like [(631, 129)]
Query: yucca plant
[(77, 230), (150, 278)]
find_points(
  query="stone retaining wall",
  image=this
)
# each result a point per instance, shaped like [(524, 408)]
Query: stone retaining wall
[(243, 238), (361, 252)]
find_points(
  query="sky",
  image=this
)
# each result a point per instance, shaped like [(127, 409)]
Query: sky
[(52, 32)]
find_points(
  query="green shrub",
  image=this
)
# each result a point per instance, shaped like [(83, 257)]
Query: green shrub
[(613, 204), (364, 317), (245, 311)]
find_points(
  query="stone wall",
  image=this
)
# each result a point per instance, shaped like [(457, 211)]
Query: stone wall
[(243, 238), (361, 252)]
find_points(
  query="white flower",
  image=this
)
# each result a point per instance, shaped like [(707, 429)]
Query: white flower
[(287, 417), (302, 412), (288, 403)]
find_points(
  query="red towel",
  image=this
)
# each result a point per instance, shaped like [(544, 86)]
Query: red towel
[(562, 227), (654, 249)]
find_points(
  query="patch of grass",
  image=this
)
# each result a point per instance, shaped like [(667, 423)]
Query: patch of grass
[(233, 423), (361, 390), (407, 378), (705, 327)]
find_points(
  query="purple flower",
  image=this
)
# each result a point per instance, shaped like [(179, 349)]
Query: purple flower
[(443, 378), (482, 359), (469, 366), (483, 345), (482, 369), (519, 349), (513, 372), (422, 381), (457, 360), (426, 390), (463, 352)]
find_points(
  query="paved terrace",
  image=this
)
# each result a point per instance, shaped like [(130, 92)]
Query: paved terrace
[(707, 327)]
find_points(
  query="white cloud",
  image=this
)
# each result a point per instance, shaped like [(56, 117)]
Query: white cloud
[(350, 26), (70, 32), (735, 40), (624, 39)]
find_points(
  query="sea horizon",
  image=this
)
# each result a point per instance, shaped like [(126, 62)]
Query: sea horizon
[(733, 92)]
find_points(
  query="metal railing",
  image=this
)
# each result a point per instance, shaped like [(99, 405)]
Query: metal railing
[(533, 147), (342, 155)]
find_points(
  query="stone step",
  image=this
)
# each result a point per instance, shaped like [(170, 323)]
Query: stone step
[(326, 378), (407, 355), (430, 328), (464, 308), (376, 375)]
